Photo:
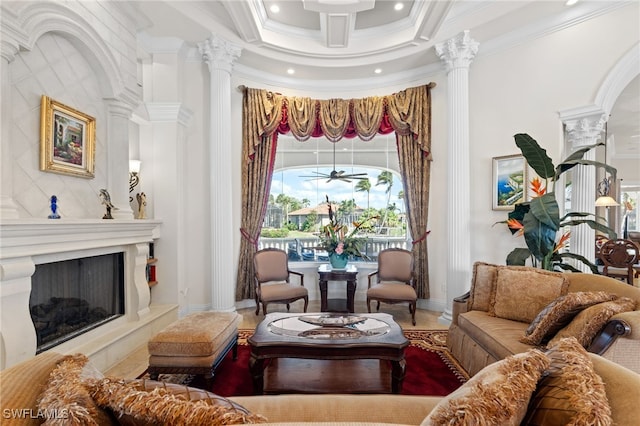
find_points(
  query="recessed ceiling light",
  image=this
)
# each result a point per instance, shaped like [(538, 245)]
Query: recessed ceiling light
[(571, 2), (274, 8), (377, 70), (398, 6), (291, 71)]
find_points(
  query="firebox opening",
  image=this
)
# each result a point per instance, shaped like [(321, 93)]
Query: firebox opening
[(71, 297)]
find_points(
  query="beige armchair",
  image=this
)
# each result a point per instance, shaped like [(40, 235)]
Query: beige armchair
[(394, 282), (272, 280)]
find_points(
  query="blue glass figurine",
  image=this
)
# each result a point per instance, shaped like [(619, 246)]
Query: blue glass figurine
[(54, 208)]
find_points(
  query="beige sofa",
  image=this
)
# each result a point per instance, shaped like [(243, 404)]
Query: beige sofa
[(22, 385), (477, 339)]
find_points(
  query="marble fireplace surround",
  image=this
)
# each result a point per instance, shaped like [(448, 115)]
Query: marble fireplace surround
[(25, 243)]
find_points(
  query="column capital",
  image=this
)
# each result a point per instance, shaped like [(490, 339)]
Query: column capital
[(219, 53), (457, 52), (586, 130)]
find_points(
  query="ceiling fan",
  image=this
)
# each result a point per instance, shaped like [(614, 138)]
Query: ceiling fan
[(337, 175)]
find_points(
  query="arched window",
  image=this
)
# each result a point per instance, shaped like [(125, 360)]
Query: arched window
[(368, 184)]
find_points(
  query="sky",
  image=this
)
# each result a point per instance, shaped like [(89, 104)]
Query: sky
[(291, 183)]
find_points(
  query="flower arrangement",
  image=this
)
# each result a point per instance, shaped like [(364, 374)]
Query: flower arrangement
[(336, 238)]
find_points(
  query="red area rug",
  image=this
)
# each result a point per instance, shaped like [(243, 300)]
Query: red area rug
[(431, 370)]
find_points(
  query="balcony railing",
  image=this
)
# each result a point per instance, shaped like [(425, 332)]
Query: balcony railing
[(304, 249)]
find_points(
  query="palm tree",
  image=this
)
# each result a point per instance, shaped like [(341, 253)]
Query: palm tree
[(285, 202), (386, 178), (364, 186), (347, 208)]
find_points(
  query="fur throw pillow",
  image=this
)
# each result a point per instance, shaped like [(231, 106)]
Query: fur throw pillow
[(498, 395), (570, 391), (161, 406), (559, 313), (66, 400), (590, 321)]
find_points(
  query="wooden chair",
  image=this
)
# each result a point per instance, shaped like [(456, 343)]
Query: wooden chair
[(619, 257), (272, 280), (394, 282)]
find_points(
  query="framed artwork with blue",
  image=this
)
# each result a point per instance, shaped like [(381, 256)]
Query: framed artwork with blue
[(509, 181)]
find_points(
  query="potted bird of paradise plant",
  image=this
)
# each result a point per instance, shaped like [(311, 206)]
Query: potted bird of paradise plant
[(546, 234)]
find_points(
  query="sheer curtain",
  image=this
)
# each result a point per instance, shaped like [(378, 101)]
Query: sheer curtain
[(265, 114)]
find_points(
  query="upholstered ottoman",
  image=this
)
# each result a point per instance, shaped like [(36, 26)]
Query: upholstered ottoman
[(195, 344)]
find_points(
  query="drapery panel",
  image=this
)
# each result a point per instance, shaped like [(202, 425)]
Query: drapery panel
[(410, 114), (265, 114), (261, 114)]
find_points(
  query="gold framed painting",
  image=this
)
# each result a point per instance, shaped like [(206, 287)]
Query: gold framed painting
[(67, 140), (509, 181)]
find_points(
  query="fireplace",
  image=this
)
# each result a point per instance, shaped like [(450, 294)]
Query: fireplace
[(71, 297), (103, 309)]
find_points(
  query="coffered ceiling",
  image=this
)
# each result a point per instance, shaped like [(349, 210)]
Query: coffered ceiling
[(352, 40)]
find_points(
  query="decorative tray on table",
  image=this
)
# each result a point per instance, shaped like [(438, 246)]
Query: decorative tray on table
[(332, 320)]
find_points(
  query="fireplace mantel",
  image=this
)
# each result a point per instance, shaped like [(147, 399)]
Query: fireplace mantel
[(33, 237), (25, 243)]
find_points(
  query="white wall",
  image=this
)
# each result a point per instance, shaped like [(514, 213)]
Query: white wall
[(522, 90), (56, 68), (81, 54)]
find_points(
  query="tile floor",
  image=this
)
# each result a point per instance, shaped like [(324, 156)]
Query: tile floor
[(136, 362)]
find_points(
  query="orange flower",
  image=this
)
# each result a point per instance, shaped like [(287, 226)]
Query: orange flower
[(536, 187), (515, 224), (562, 242)]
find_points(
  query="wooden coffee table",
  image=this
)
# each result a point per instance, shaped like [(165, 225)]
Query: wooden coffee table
[(288, 344)]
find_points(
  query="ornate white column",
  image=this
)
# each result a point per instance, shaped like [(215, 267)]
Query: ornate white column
[(8, 208), (219, 54), (457, 54), (583, 127), (118, 157)]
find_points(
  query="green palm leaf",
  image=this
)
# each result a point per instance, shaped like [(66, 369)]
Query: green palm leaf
[(535, 155), (539, 237), (545, 209), (518, 256)]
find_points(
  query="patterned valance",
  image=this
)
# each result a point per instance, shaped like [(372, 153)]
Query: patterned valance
[(402, 112)]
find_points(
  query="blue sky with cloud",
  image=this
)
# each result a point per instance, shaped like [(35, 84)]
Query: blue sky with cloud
[(291, 183)]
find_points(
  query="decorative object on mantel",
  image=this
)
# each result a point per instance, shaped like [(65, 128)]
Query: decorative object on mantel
[(338, 243), (134, 177), (142, 205), (539, 219), (67, 140), (106, 200), (54, 208)]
